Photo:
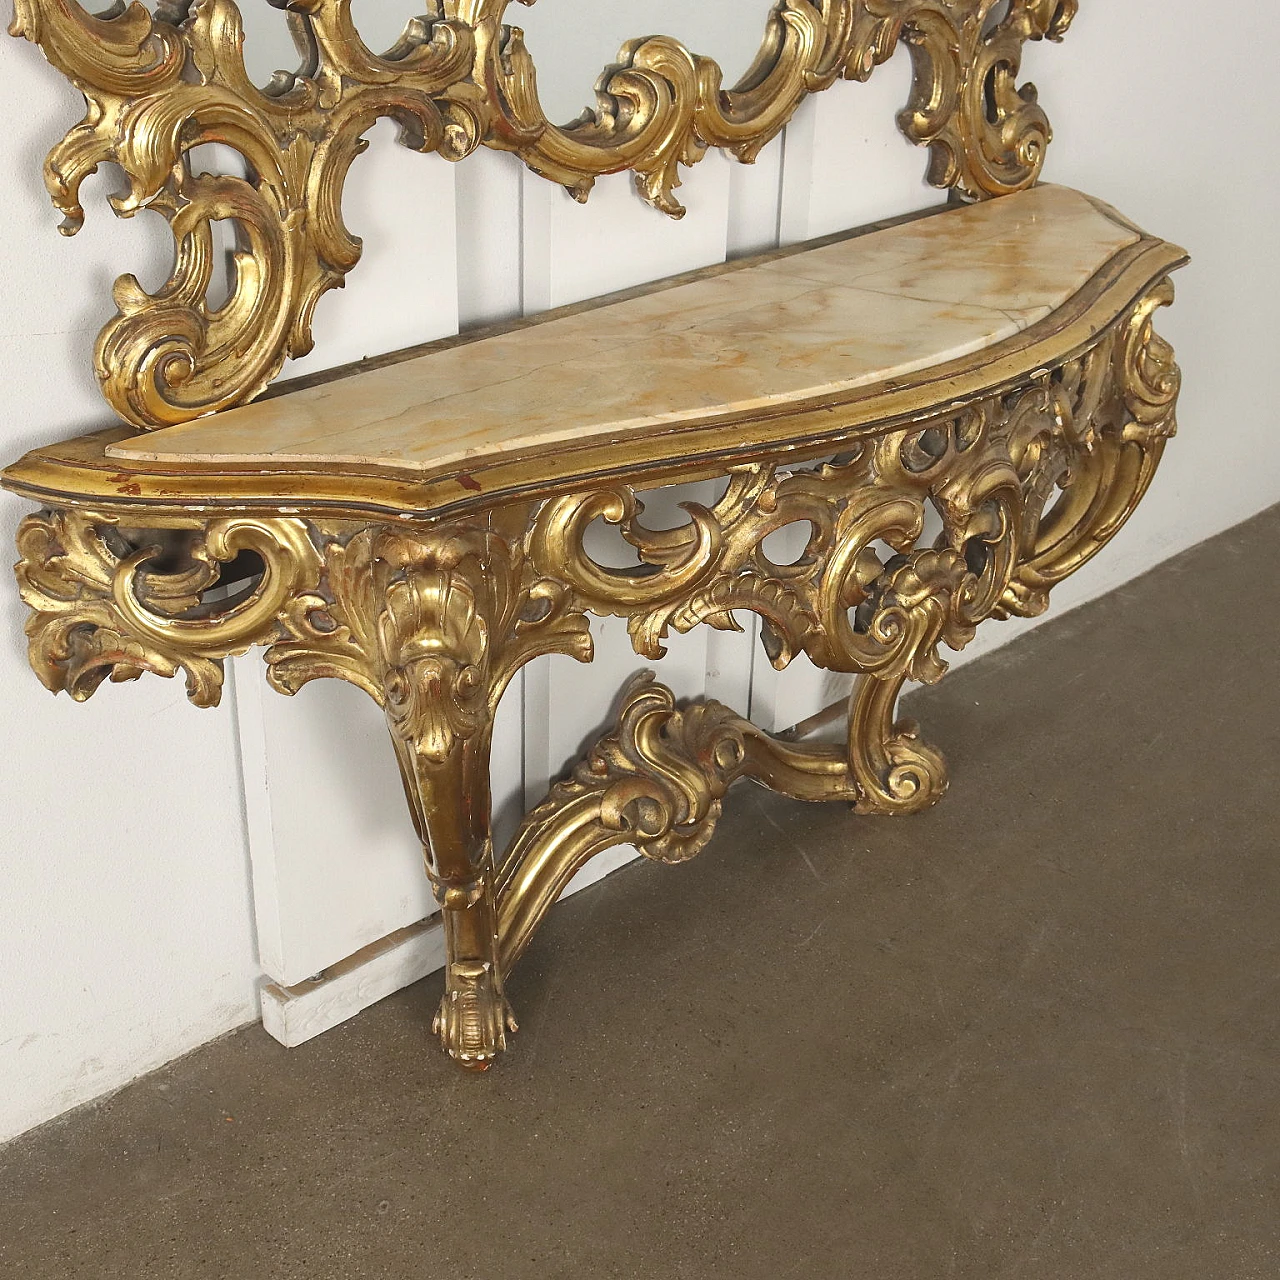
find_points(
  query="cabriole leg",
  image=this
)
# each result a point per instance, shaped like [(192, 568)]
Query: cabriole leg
[(451, 810), (432, 622), (431, 609)]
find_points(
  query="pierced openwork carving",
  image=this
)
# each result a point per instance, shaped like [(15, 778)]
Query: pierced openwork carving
[(433, 617), (460, 77), (106, 600)]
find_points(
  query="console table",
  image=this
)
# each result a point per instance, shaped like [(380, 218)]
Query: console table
[(416, 527)]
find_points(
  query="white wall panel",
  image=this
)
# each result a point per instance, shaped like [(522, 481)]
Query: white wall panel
[(335, 859), (489, 232), (336, 864), (755, 202), (846, 163), (574, 251), (125, 910)]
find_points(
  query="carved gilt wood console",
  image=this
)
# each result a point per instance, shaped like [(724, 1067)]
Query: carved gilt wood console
[(417, 527)]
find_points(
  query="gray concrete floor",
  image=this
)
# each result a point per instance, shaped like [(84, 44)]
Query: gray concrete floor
[(1035, 1032)]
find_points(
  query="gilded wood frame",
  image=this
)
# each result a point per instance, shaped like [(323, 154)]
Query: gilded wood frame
[(156, 87)]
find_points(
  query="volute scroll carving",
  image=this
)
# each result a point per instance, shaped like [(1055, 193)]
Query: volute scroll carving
[(105, 605)]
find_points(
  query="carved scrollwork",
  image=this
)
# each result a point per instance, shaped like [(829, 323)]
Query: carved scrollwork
[(986, 135), (474, 1015), (656, 780), (659, 777), (157, 87), (838, 602), (1147, 372), (103, 604), (661, 107), (915, 536), (1025, 485), (1090, 480)]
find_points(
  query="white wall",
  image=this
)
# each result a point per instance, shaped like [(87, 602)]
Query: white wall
[(125, 921), (1160, 107), (124, 885)]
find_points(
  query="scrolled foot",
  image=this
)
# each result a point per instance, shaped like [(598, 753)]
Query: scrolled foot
[(474, 1016), (895, 772), (910, 775)]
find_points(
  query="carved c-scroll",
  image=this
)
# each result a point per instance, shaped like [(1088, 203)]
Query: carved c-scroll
[(105, 604)]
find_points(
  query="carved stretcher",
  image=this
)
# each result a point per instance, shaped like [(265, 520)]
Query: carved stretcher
[(417, 528)]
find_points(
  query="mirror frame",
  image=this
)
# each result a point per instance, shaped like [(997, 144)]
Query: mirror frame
[(158, 86)]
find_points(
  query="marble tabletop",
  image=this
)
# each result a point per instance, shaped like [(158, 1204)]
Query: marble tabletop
[(825, 321)]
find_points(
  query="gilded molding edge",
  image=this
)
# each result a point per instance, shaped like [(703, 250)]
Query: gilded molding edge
[(158, 86), (433, 619)]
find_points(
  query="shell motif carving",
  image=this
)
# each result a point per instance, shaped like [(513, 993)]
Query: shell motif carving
[(432, 624)]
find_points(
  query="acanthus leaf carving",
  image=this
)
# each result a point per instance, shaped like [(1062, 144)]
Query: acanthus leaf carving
[(657, 779), (914, 536), (432, 623)]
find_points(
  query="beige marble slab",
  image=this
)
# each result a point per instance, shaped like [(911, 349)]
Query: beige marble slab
[(828, 320)]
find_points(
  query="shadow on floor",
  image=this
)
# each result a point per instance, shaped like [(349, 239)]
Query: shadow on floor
[(1035, 1032)]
